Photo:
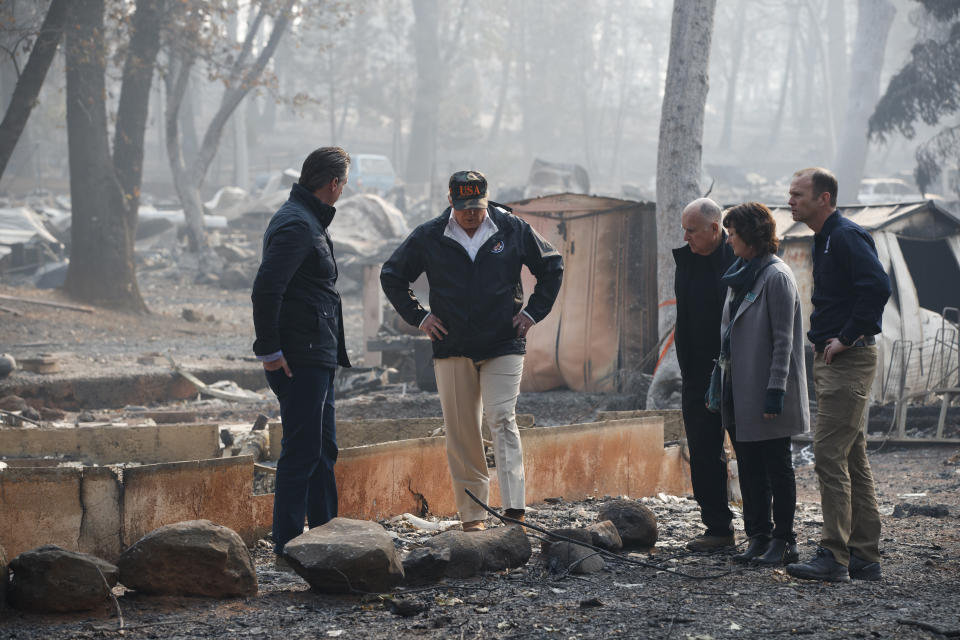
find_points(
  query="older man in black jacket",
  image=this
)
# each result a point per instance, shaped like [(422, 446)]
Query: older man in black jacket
[(299, 326), (700, 297), (472, 254)]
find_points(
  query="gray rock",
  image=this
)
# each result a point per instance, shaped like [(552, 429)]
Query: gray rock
[(235, 253), (605, 535), (636, 524), (236, 277), (7, 365), (489, 550), (906, 510), (13, 403), (562, 556), (425, 565), (346, 555), (49, 578), (192, 558)]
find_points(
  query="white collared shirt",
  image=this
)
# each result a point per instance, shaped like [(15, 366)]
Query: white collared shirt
[(472, 245)]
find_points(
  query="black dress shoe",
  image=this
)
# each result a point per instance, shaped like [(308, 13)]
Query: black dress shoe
[(860, 569), (779, 552), (755, 549), (822, 567)]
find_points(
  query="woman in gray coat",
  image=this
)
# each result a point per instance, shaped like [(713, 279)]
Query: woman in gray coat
[(764, 399)]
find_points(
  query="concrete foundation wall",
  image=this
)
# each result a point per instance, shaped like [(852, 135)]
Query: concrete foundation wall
[(113, 445), (93, 510), (622, 457), (672, 420), (77, 509), (219, 490), (143, 387), (357, 433)]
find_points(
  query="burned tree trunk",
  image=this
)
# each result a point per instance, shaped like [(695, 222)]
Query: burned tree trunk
[(730, 103), (31, 80), (874, 19), (681, 128), (101, 258), (134, 105), (423, 130), (190, 173)]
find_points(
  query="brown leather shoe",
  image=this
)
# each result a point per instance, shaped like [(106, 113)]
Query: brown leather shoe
[(710, 544), (516, 514), (473, 525)]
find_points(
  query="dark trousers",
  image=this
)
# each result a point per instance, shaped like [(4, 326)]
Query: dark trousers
[(708, 462), (305, 483), (766, 476)]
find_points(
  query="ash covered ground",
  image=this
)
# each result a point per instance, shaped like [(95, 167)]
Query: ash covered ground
[(714, 598)]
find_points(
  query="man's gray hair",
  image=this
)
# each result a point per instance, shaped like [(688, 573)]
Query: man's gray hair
[(707, 208)]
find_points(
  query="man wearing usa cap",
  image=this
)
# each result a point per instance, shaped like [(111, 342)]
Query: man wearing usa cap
[(472, 254)]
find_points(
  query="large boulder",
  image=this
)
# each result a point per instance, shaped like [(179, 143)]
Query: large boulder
[(344, 556), (636, 524), (605, 535), (490, 550), (562, 556), (49, 578), (192, 558), (425, 565)]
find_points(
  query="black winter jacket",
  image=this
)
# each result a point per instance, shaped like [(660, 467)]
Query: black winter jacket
[(475, 300), (296, 306), (700, 298)]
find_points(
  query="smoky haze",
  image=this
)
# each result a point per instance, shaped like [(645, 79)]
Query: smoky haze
[(438, 86)]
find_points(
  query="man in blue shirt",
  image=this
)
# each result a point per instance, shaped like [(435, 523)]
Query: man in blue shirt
[(850, 289)]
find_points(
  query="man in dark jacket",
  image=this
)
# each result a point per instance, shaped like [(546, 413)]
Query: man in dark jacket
[(472, 254), (700, 297), (299, 325), (850, 289)]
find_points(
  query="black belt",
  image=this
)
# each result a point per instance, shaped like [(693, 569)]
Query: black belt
[(868, 341)]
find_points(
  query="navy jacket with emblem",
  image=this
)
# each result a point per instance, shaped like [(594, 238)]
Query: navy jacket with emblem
[(850, 286), (475, 300), (296, 306)]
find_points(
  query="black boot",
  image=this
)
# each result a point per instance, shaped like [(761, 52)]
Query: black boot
[(758, 544), (780, 551), (861, 569), (822, 567)]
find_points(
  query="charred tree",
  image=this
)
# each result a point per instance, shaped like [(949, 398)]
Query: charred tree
[(681, 128), (730, 103), (134, 104), (423, 129), (874, 19), (104, 189), (189, 172), (31, 80)]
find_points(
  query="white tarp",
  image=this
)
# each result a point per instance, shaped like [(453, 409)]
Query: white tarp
[(366, 222), (21, 225)]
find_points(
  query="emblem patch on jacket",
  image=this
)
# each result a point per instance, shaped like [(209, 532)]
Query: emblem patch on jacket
[(497, 248)]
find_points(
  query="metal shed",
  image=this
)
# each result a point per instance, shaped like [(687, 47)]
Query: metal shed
[(602, 331)]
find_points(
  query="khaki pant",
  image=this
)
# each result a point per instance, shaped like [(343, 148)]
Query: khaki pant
[(468, 390), (851, 520)]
